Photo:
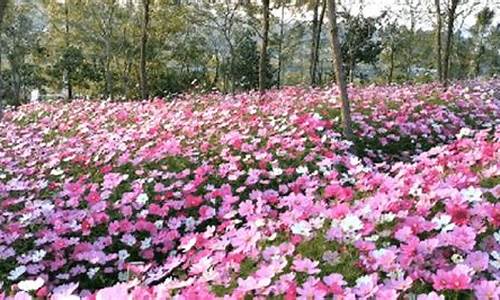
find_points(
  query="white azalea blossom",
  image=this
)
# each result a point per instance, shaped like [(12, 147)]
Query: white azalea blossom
[(30, 285), (472, 194), (302, 228), (16, 273), (351, 224), (142, 198)]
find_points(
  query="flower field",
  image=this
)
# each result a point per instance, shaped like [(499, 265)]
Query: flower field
[(242, 196)]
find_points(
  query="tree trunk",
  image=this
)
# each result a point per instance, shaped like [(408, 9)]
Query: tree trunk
[(3, 8), (318, 39), (263, 50), (312, 64), (352, 67), (339, 72), (144, 40), (449, 40), (391, 66), (69, 87), (280, 45), (109, 77), (438, 40)]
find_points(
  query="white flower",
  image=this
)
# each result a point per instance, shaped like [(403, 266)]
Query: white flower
[(464, 132), (377, 253), (497, 236), (30, 285), (317, 222), (159, 224), (3, 176), (443, 222), (276, 171), (363, 280), (186, 247), (38, 255), (146, 243), (91, 272), (123, 255), (302, 228), (16, 273), (142, 198), (457, 258), (123, 276), (351, 223), (372, 238), (495, 262), (471, 194), (57, 172), (302, 170), (387, 218)]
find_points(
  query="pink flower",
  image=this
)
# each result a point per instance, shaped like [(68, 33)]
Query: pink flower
[(456, 279), (477, 260), (118, 291), (22, 295), (335, 282), (309, 290), (386, 294), (366, 286), (487, 290), (338, 192), (306, 266), (193, 201), (112, 180), (462, 237), (74, 190), (93, 198)]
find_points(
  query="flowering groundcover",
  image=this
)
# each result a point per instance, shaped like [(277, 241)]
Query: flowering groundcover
[(249, 196)]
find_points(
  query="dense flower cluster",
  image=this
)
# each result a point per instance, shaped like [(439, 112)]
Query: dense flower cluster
[(246, 196)]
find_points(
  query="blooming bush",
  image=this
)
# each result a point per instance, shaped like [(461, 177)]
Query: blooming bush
[(246, 196)]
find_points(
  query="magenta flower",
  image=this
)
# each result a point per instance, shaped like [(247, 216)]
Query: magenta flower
[(306, 265), (456, 279)]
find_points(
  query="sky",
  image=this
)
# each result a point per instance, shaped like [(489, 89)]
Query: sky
[(424, 21)]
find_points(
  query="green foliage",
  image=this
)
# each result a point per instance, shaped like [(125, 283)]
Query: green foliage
[(359, 42)]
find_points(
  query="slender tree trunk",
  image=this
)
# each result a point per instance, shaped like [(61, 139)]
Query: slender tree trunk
[(232, 75), (69, 87), (280, 45), (449, 40), (352, 68), (144, 40), (391, 66), (318, 39), (109, 77), (438, 40), (339, 72), (3, 8), (312, 64), (263, 50)]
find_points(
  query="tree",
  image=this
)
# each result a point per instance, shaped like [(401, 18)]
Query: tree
[(439, 25), (483, 20), (317, 23), (20, 43), (339, 72), (451, 13), (3, 8), (263, 49), (360, 43), (144, 40), (392, 42)]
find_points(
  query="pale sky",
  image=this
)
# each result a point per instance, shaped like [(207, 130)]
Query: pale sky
[(426, 9)]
